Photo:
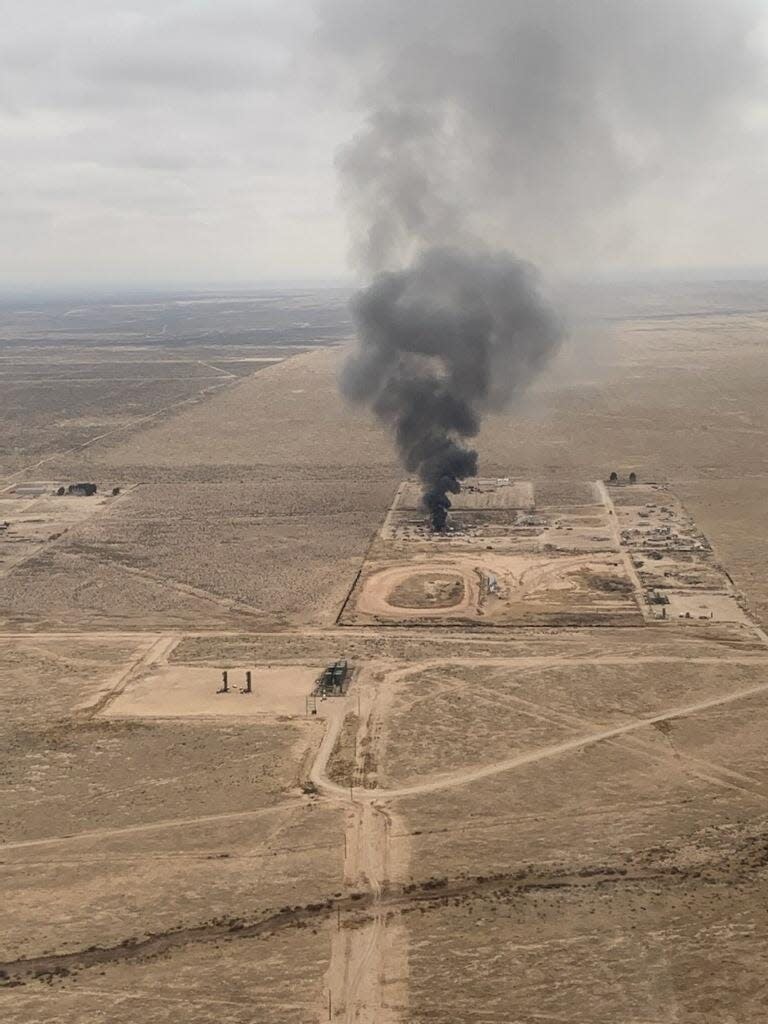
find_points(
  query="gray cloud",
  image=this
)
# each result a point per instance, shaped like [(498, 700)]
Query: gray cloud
[(535, 124), (501, 122), (162, 139), (165, 141)]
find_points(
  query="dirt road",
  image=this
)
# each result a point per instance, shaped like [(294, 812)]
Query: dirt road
[(461, 778), (369, 964), (368, 969), (613, 522), (367, 978)]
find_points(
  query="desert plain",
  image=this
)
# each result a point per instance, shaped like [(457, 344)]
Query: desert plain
[(541, 796)]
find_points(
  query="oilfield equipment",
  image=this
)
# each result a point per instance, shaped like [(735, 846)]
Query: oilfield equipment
[(332, 682), (248, 688)]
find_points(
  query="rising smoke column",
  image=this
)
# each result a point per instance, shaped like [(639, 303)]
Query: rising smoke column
[(457, 333), (497, 122)]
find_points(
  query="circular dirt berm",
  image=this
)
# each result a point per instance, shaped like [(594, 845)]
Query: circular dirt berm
[(427, 590)]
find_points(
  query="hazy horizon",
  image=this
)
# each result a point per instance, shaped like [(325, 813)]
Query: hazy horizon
[(194, 146), (109, 291)]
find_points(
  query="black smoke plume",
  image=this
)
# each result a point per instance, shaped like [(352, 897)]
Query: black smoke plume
[(454, 335), (495, 122)]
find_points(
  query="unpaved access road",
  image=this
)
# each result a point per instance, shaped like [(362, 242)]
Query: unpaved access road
[(465, 776), (366, 977)]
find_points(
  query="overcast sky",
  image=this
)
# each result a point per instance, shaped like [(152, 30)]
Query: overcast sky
[(193, 141)]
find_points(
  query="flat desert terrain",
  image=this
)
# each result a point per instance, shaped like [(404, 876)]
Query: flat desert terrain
[(516, 773)]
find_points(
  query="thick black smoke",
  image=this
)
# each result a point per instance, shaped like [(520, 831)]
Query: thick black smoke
[(497, 122), (457, 333)]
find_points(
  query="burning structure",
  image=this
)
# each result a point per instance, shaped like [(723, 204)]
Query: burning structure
[(499, 122), (441, 342)]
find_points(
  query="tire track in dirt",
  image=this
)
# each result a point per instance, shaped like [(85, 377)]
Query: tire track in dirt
[(151, 657), (153, 826), (368, 967), (356, 976), (466, 776)]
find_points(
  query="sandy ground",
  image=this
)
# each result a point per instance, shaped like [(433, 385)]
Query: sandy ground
[(560, 825), (181, 691), (376, 589), (533, 589)]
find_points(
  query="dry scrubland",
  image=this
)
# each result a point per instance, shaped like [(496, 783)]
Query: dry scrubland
[(593, 805), (450, 715), (567, 825), (622, 950), (268, 493), (50, 401), (276, 978), (209, 816), (409, 645), (253, 508)]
